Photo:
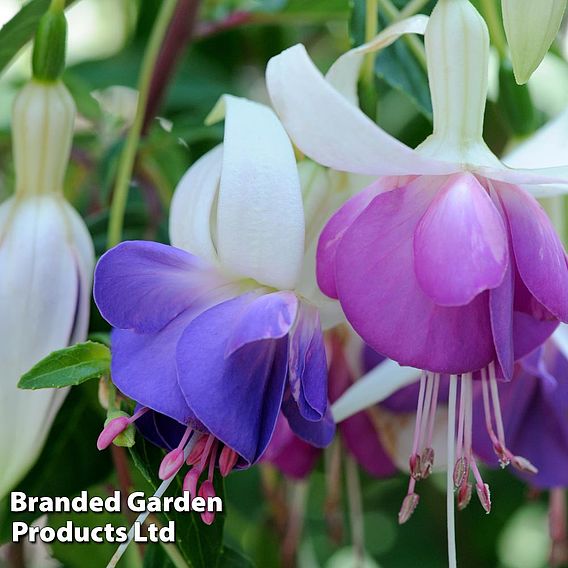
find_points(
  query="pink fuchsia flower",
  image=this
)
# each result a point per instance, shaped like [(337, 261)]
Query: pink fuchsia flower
[(447, 265)]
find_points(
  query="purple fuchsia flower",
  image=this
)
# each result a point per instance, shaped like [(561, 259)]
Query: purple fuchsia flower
[(448, 264), (535, 420), (210, 333)]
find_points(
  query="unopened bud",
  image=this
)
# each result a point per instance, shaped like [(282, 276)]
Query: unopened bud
[(408, 507), (530, 28)]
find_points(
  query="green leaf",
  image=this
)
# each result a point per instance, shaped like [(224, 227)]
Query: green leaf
[(201, 545), (20, 29), (66, 367)]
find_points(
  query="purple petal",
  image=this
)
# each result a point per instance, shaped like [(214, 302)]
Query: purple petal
[(501, 310), (319, 434), (160, 429), (307, 365), (539, 254), (335, 228), (237, 398), (460, 244), (383, 301), (144, 367), (143, 285), (270, 316), (532, 322)]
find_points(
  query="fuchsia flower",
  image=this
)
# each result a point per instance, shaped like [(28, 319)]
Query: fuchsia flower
[(448, 264), (214, 339)]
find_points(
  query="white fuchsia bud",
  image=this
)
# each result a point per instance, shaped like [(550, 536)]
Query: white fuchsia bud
[(46, 262), (530, 28)]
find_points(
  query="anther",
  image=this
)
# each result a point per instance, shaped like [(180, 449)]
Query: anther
[(408, 507)]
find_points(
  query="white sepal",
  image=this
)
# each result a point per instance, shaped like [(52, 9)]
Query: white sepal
[(260, 218), (192, 212), (330, 129), (377, 385)]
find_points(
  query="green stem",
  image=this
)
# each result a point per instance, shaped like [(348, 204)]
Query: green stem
[(57, 5), (369, 98), (413, 43), (489, 10), (128, 156)]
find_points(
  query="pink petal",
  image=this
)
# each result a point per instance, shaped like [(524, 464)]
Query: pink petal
[(539, 254), (460, 245), (335, 228), (383, 301)]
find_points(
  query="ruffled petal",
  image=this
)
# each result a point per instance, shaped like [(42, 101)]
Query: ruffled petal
[(144, 285), (307, 365), (330, 129), (260, 217), (144, 367), (335, 229), (383, 301), (192, 209), (460, 244), (539, 254), (270, 316), (237, 398), (319, 433)]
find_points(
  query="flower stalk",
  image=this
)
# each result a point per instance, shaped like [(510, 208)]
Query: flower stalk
[(128, 156)]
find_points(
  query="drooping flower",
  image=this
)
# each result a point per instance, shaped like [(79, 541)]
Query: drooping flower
[(212, 335), (46, 262), (531, 27), (448, 264)]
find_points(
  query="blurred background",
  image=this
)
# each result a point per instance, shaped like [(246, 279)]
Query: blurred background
[(107, 39)]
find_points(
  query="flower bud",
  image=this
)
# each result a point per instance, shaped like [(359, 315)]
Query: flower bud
[(530, 28), (46, 262)]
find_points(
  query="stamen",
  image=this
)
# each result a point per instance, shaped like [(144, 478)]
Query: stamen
[(173, 460), (227, 460), (452, 561), (427, 457), (464, 495), (206, 491), (414, 461), (482, 488), (408, 507), (498, 447)]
